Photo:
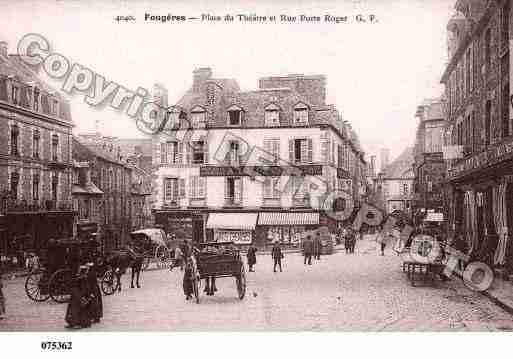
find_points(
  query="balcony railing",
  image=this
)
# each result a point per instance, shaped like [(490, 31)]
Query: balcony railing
[(271, 202), (233, 202), (10, 206)]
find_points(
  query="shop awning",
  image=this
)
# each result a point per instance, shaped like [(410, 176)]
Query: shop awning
[(288, 219), (246, 221)]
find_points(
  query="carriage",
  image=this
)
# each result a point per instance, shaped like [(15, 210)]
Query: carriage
[(151, 242), (62, 260), (216, 260)]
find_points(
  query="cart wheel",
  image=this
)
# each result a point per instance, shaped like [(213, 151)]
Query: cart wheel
[(36, 287), (108, 282), (145, 263), (59, 286), (240, 280)]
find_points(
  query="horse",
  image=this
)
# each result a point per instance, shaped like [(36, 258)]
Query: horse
[(122, 259)]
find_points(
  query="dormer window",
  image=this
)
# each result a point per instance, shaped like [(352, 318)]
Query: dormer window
[(173, 119), (235, 115), (300, 114), (198, 117), (272, 115)]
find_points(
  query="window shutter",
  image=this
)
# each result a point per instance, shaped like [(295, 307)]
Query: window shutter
[(188, 151), (324, 150), (310, 150), (267, 146), (181, 189), (179, 157), (276, 182), (202, 187), (267, 187), (276, 149), (226, 187), (238, 189), (163, 153), (305, 187), (192, 183), (291, 151), (205, 151)]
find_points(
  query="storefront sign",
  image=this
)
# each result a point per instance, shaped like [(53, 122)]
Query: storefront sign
[(489, 157), (236, 237), (341, 173), (275, 171)]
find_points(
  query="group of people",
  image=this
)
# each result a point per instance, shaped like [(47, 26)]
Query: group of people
[(85, 306), (312, 247)]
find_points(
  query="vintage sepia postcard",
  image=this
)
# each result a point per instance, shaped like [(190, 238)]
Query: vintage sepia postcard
[(255, 166)]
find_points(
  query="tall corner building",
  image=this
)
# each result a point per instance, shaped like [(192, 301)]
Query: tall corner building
[(253, 166)]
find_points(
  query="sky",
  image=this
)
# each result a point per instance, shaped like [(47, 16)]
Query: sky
[(377, 74)]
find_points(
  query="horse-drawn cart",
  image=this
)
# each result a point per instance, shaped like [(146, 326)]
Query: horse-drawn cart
[(216, 260), (61, 262), (152, 243)]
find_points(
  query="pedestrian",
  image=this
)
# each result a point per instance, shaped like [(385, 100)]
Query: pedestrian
[(179, 259), (347, 240), (307, 249), (78, 312), (187, 277), (2, 298), (277, 255), (96, 308), (251, 255), (317, 246)]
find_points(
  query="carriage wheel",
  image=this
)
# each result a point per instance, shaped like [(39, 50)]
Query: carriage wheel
[(240, 281), (108, 282), (145, 263), (36, 287), (59, 285)]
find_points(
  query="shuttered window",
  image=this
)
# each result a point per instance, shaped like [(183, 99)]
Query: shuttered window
[(197, 187), (300, 150), (271, 187), (272, 146)]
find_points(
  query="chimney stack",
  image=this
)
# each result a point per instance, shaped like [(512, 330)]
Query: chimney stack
[(4, 46), (199, 77)]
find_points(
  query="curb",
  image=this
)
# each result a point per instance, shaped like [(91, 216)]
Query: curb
[(494, 299)]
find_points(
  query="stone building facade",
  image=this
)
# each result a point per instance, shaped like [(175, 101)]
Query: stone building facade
[(35, 160), (429, 165), (253, 166), (479, 122)]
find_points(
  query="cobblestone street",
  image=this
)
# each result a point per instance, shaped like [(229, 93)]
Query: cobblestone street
[(363, 291)]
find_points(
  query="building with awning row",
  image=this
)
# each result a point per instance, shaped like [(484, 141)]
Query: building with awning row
[(252, 165)]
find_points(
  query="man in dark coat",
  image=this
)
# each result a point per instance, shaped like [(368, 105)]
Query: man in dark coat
[(307, 249), (251, 255), (317, 246), (277, 255)]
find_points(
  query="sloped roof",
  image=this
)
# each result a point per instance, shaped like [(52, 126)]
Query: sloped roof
[(83, 149), (401, 165)]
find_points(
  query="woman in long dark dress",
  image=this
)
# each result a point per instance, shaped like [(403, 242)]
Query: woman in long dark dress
[(78, 313), (96, 295), (187, 278)]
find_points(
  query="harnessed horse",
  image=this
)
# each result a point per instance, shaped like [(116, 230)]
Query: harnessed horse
[(122, 259)]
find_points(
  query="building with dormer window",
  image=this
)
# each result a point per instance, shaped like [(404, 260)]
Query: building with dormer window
[(253, 166)]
